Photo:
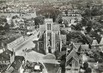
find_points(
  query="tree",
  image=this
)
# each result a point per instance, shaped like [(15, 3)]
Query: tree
[(60, 21), (49, 12), (39, 20), (65, 22), (84, 21), (6, 27), (1, 28), (85, 65), (77, 27), (88, 70), (77, 37)]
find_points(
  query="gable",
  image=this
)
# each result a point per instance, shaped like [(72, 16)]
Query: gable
[(72, 54), (94, 42), (77, 46), (101, 42)]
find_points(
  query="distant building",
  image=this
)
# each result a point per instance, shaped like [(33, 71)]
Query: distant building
[(50, 32), (72, 17)]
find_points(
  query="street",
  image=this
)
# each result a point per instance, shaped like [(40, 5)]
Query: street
[(27, 44)]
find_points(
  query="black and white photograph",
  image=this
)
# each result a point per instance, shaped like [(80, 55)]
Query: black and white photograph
[(51, 36)]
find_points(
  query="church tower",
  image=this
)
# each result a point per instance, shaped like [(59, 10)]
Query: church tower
[(49, 36)]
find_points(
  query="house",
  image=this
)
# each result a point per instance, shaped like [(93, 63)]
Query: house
[(17, 65), (72, 62), (6, 59), (94, 42), (50, 35), (17, 22), (95, 45), (84, 48)]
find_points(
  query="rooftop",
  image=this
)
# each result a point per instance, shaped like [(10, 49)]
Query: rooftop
[(9, 37), (5, 56)]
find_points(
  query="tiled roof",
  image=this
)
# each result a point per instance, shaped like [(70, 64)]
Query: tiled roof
[(72, 54), (17, 63), (19, 58), (76, 46), (2, 69), (6, 55), (3, 58), (11, 37), (85, 46)]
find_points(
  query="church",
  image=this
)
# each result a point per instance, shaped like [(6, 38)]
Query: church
[(50, 33)]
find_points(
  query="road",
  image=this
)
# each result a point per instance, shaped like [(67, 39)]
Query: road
[(27, 44)]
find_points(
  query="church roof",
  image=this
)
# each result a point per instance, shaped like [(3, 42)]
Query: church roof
[(77, 46), (101, 42), (72, 54)]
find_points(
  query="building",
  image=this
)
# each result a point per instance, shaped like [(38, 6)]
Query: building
[(6, 59), (72, 62), (94, 42), (84, 48), (76, 46), (16, 66), (50, 32), (11, 41), (72, 17)]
